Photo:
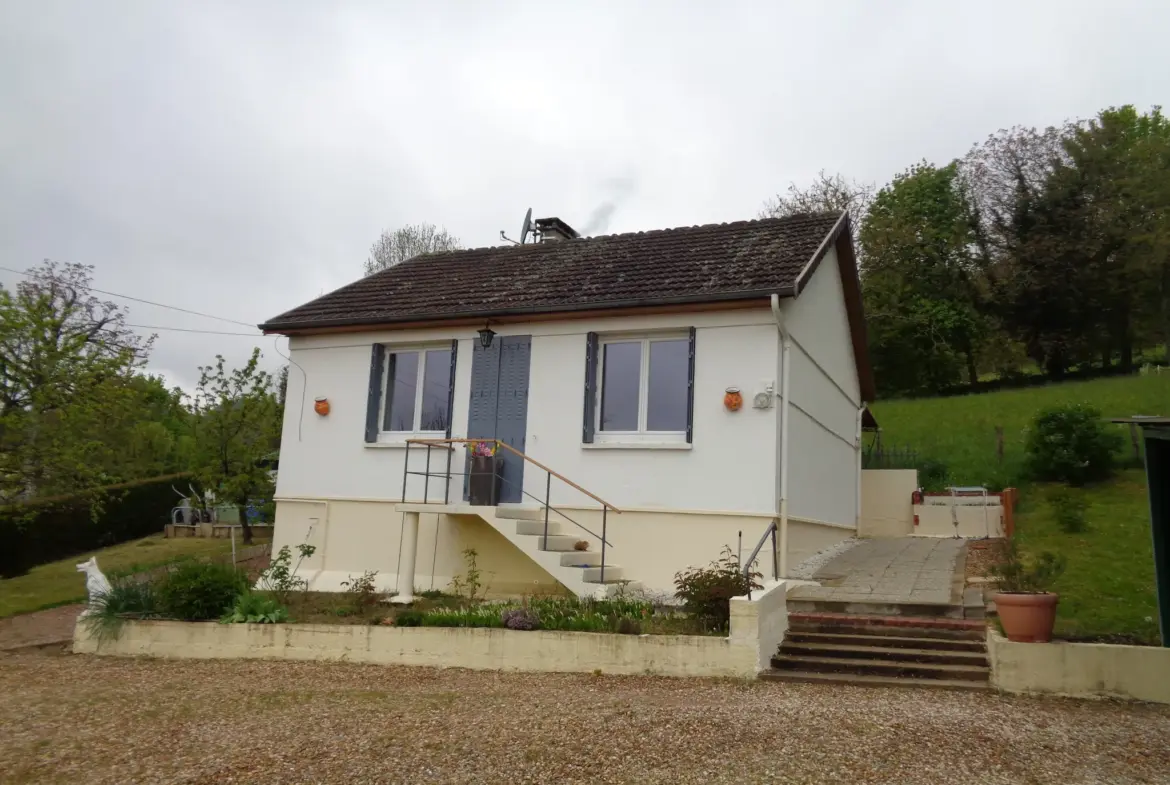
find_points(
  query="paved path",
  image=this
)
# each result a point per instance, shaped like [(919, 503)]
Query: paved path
[(40, 628), (897, 570)]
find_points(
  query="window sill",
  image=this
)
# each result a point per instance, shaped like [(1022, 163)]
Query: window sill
[(636, 446), (400, 444)]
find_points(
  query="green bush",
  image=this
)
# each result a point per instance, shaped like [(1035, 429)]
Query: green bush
[(1015, 576), (706, 592), (933, 475), (126, 599), (1068, 510), (197, 591), (252, 608), (409, 619), (1071, 444)]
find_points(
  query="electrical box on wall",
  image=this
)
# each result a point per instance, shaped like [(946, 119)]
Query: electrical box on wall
[(763, 399)]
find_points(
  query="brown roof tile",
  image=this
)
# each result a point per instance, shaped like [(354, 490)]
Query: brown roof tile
[(708, 263)]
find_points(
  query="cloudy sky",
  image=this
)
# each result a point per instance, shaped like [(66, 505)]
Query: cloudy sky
[(239, 158)]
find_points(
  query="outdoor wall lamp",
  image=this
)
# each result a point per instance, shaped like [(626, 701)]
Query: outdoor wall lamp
[(485, 337)]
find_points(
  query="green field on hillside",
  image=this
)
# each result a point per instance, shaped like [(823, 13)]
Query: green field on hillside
[(960, 430)]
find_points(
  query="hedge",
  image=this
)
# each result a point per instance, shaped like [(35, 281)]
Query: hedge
[(45, 530)]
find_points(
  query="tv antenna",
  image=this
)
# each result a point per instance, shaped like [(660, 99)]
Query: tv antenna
[(525, 230)]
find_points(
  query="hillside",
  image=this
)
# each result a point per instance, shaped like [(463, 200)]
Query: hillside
[(960, 430)]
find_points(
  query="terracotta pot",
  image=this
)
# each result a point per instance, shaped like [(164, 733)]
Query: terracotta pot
[(1027, 618)]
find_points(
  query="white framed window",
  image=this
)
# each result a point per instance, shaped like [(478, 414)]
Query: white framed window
[(416, 390), (644, 388)]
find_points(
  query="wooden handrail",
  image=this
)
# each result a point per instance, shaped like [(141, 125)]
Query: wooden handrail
[(533, 461)]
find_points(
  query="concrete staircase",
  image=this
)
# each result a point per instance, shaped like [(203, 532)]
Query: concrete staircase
[(883, 650), (579, 571)]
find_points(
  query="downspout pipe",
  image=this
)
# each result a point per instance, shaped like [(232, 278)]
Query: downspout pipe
[(785, 367), (860, 415)]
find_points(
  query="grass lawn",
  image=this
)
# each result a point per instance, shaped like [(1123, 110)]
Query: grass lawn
[(59, 583), (1107, 590), (960, 430)]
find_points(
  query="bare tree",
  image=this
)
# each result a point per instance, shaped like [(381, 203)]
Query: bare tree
[(408, 242), (827, 194)]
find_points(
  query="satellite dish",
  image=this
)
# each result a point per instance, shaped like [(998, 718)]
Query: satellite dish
[(526, 227)]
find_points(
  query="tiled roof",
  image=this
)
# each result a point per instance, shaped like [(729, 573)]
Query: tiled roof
[(711, 263)]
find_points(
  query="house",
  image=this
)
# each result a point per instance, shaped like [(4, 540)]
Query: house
[(604, 366)]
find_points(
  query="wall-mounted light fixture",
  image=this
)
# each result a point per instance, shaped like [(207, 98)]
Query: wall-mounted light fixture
[(321, 406), (485, 337)]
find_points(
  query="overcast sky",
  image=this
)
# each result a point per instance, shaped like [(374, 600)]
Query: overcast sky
[(239, 158)]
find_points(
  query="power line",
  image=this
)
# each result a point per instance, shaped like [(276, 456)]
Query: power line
[(188, 330), (140, 300)]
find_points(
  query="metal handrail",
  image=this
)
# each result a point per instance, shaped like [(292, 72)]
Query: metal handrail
[(747, 565), (533, 461)]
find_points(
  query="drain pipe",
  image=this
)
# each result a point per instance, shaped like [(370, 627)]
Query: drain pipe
[(785, 365), (860, 415)]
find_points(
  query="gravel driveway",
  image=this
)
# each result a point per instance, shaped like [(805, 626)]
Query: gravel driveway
[(82, 719)]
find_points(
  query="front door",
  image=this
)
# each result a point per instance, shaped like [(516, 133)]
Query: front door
[(499, 404)]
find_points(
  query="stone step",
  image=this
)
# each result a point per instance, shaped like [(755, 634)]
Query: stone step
[(613, 574), (917, 609), (859, 680), (581, 559), (537, 527), (557, 542), (876, 667), (901, 626), (878, 652), (890, 641), (520, 512), (973, 605)]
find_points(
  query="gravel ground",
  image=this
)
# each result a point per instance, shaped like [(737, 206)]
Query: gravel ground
[(31, 629), (75, 719)]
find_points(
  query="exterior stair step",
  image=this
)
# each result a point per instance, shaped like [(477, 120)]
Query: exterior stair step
[(885, 653), (901, 626), (557, 542), (520, 512), (537, 527), (881, 667), (581, 559), (890, 641), (860, 680), (613, 574)]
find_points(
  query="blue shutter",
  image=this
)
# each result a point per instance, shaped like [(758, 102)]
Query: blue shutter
[(451, 387), (590, 388), (691, 389), (374, 393)]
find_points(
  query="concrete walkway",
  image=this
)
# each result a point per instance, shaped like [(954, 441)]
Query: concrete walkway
[(901, 570)]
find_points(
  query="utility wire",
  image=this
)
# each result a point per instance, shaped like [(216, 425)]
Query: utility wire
[(187, 330), (140, 300)]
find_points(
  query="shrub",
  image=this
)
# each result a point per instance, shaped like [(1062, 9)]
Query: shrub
[(1071, 444), (469, 585), (1068, 509), (251, 608), (362, 591), (409, 619), (706, 592), (1015, 576), (126, 599), (933, 475), (520, 619), (280, 576), (197, 591)]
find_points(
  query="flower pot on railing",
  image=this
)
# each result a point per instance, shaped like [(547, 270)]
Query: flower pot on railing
[(483, 484)]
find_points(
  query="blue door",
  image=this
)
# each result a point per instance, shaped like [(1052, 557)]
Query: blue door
[(499, 404)]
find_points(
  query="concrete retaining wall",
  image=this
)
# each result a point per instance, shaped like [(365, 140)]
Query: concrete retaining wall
[(886, 506), (935, 520), (1081, 670), (757, 625)]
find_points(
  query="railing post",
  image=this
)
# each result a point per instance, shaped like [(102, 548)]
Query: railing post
[(604, 537), (447, 485), (547, 500), (405, 468), (427, 477), (775, 562)]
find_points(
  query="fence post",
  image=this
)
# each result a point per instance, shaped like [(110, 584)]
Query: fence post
[(1008, 497)]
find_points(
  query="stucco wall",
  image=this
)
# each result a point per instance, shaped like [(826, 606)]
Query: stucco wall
[(757, 626), (887, 509), (823, 481), (936, 521), (1083, 670)]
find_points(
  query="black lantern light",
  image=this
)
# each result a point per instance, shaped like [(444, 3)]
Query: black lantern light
[(485, 337)]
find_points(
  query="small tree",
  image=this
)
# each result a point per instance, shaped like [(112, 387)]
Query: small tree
[(1071, 444), (827, 194), (236, 429), (408, 242)]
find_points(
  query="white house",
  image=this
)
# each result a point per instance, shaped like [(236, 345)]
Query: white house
[(609, 363)]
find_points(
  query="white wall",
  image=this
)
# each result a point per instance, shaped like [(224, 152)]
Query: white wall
[(730, 466), (823, 475)]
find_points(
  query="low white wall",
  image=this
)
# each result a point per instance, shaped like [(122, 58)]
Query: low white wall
[(757, 626), (1081, 670), (934, 520), (886, 506)]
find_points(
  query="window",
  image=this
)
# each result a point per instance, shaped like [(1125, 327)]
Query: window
[(642, 387), (418, 391)]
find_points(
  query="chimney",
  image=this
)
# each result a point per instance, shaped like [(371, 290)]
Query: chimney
[(554, 229)]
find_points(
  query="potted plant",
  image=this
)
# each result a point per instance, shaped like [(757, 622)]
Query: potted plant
[(1026, 607), (483, 486)]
